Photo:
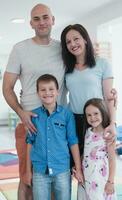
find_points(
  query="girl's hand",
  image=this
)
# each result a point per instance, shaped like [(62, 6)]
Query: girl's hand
[(109, 188), (78, 175)]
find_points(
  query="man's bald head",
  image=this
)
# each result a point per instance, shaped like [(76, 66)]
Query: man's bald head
[(40, 7)]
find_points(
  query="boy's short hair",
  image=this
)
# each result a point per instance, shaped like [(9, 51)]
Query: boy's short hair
[(46, 78)]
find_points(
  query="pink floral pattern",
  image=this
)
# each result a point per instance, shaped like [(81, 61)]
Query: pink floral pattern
[(95, 167)]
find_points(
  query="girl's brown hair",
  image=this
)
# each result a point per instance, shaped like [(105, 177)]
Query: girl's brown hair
[(100, 104)]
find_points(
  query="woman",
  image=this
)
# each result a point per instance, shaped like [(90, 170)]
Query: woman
[(86, 76)]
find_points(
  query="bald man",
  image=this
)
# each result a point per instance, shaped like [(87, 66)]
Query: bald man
[(28, 60)]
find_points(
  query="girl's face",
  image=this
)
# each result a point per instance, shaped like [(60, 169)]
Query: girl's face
[(94, 117), (75, 43)]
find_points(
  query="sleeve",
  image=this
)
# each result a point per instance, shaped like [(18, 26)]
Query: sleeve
[(107, 69), (71, 130), (30, 138), (14, 65)]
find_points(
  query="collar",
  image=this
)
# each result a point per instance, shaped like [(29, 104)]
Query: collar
[(56, 109)]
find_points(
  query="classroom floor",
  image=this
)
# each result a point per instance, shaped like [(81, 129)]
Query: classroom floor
[(7, 142)]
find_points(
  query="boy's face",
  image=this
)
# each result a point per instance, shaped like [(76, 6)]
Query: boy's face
[(47, 93)]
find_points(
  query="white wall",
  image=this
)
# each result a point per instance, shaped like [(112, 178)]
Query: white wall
[(3, 105), (101, 16), (4, 108), (112, 32), (117, 65)]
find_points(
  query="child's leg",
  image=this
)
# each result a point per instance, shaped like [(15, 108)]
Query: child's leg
[(41, 187), (62, 186)]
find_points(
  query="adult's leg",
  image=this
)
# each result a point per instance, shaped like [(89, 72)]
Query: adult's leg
[(80, 134), (62, 186), (24, 192), (80, 131)]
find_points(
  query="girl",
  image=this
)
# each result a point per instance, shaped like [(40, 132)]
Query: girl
[(86, 76), (99, 156)]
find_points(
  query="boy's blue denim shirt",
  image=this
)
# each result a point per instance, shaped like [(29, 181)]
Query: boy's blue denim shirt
[(56, 133)]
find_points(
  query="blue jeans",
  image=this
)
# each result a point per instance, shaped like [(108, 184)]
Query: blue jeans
[(61, 184)]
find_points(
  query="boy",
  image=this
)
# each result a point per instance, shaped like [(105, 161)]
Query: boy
[(48, 148)]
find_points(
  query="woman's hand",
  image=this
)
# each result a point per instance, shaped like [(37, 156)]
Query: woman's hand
[(113, 96), (110, 133)]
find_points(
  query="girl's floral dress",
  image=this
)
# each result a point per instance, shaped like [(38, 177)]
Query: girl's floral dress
[(95, 167)]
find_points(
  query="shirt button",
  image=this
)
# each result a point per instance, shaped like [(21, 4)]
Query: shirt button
[(48, 139), (48, 127), (48, 151)]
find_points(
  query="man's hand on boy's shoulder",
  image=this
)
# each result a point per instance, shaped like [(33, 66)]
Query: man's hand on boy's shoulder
[(26, 120)]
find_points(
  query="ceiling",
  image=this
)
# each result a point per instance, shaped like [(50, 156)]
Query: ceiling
[(65, 12)]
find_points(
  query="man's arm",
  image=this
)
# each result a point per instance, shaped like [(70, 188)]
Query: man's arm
[(9, 81)]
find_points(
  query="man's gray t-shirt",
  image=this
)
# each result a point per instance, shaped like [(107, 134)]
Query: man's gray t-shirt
[(30, 60)]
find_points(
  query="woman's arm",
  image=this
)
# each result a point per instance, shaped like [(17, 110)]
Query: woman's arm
[(107, 87)]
